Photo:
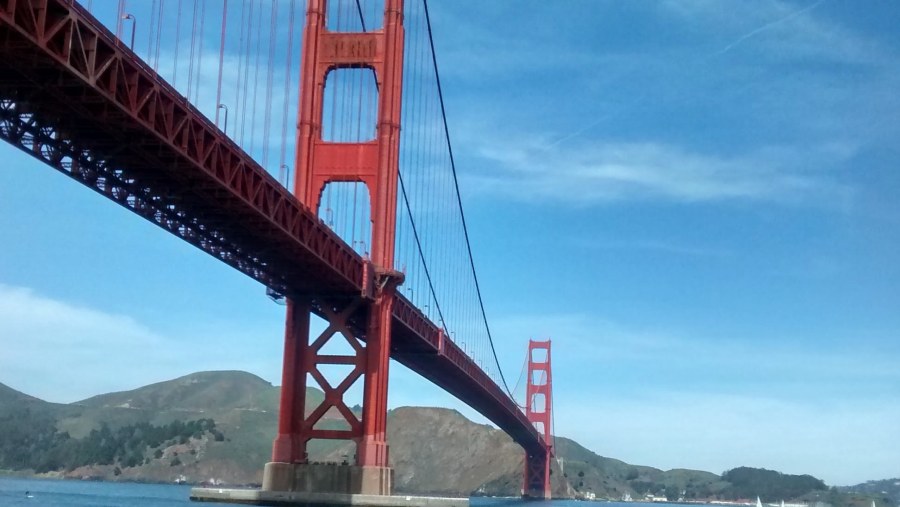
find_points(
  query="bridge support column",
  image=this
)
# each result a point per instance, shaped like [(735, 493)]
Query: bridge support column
[(290, 469), (373, 447), (537, 475), (290, 446), (304, 359), (539, 410), (364, 317)]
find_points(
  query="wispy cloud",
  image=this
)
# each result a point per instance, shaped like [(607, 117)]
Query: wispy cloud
[(62, 352), (609, 172), (747, 71), (769, 25), (777, 29), (655, 246)]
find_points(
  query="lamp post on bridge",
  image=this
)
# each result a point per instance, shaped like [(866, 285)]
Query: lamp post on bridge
[(223, 106), (133, 26)]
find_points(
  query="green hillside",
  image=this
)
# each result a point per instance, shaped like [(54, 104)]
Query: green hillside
[(243, 407), (885, 491), (769, 485), (212, 390), (219, 426), (612, 478), (24, 421), (9, 395)]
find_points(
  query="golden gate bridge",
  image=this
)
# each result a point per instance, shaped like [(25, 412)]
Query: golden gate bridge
[(351, 212)]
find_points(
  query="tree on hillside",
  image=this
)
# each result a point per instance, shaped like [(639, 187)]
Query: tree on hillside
[(769, 485), (31, 441)]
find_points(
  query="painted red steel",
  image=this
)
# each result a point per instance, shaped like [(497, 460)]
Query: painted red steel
[(75, 98), (103, 117), (374, 163), (539, 410)]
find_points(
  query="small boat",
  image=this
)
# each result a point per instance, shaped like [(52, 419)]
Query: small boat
[(758, 503)]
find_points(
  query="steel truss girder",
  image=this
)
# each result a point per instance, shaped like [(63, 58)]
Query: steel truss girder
[(89, 75), (103, 122), (338, 329), (72, 96)]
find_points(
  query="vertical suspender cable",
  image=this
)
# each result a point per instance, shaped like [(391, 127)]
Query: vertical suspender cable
[(416, 156), (256, 78), (267, 128), (151, 31), (416, 235), (119, 13), (158, 35), (240, 74), (245, 83), (221, 60), (200, 54), (177, 40), (191, 54), (287, 86)]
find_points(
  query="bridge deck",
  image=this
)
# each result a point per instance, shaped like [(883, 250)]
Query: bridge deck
[(74, 97)]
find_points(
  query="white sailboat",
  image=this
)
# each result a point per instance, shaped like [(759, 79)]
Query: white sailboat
[(758, 503)]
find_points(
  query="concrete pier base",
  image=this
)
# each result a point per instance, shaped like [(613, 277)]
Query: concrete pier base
[(328, 478), (303, 498)]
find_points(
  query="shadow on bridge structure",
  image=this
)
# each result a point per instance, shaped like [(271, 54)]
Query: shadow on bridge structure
[(78, 98)]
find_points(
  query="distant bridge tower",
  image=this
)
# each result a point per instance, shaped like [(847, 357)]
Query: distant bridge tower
[(368, 315), (539, 410)]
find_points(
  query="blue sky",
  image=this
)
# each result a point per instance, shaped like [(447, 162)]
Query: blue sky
[(695, 200)]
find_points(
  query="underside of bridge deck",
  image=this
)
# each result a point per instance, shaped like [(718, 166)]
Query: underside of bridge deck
[(75, 98)]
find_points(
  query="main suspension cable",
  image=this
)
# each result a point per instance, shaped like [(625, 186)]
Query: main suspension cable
[(412, 221), (459, 199)]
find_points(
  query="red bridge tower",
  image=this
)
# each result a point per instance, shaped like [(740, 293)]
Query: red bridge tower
[(364, 316), (539, 410)]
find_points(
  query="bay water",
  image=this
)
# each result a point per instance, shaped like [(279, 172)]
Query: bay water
[(67, 493)]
